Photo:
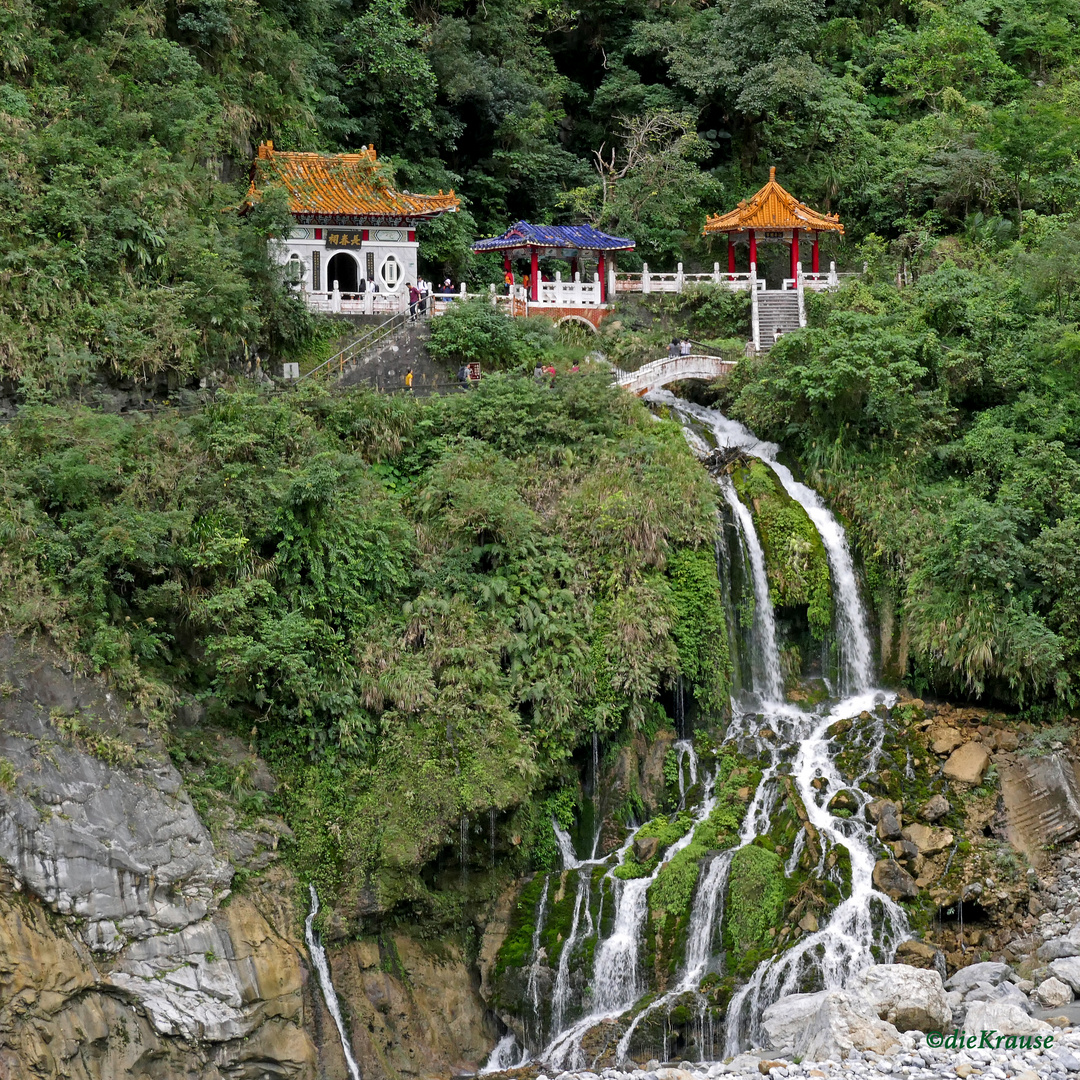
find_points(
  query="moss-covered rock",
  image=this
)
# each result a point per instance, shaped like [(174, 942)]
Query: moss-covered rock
[(755, 898)]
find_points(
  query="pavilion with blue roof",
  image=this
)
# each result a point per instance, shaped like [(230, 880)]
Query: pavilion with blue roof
[(524, 240)]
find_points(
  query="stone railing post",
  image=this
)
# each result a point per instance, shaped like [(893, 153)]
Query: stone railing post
[(494, 299), (595, 298), (716, 273), (678, 278), (335, 299), (611, 284), (833, 279), (644, 277), (800, 289)]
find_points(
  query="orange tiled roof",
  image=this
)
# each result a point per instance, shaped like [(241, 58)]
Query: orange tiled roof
[(772, 208), (329, 185)]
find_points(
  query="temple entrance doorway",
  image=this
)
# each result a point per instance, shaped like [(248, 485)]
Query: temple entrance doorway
[(343, 269)]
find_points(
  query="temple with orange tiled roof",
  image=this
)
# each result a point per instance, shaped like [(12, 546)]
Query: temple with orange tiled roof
[(355, 235), (772, 214)]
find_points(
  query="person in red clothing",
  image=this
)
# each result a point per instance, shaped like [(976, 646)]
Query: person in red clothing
[(414, 301)]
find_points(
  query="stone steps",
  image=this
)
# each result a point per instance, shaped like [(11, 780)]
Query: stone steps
[(776, 308)]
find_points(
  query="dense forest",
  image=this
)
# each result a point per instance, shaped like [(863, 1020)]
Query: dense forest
[(465, 590)]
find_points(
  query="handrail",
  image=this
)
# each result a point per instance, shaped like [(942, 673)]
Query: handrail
[(359, 344)]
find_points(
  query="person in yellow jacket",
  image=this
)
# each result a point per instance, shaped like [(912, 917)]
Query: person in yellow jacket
[(408, 379)]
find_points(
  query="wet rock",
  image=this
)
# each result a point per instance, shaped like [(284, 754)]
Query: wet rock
[(889, 821), (918, 954), (905, 851), (935, 808), (1053, 992), (1004, 1018), (645, 848), (928, 840), (891, 878), (911, 999), (1058, 949), (944, 739), (809, 923), (968, 764)]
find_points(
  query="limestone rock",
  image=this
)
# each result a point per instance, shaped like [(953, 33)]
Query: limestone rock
[(991, 971), (891, 878), (911, 999), (935, 808), (1068, 971), (928, 840), (1053, 992), (968, 764), (1007, 740), (829, 1024), (944, 739), (1004, 1018), (1057, 949), (889, 822)]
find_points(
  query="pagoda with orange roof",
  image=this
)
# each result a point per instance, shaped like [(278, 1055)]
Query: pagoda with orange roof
[(772, 214), (354, 233)]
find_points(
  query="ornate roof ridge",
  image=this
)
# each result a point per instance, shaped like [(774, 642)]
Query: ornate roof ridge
[(772, 207)]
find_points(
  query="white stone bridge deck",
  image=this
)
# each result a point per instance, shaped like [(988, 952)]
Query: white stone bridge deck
[(669, 369)]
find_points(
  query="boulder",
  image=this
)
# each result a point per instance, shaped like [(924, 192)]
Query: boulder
[(1067, 970), (911, 999), (928, 840), (944, 739), (1006, 992), (783, 1022), (968, 764), (889, 822), (1053, 992), (935, 808), (891, 878), (992, 971), (844, 1022), (918, 954), (1006, 740), (1057, 949), (1004, 1018), (809, 923), (645, 848)]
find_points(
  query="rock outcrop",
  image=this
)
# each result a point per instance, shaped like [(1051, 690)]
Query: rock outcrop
[(828, 1025), (911, 999)]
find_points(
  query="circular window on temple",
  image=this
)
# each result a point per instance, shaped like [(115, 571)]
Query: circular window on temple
[(391, 272)]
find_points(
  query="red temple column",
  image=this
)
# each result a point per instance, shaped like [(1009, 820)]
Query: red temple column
[(794, 250), (573, 268), (506, 263), (814, 256), (534, 276), (753, 248), (600, 270), (730, 255)]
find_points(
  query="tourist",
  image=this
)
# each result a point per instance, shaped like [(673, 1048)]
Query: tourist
[(684, 347), (777, 334), (448, 288), (508, 277), (414, 300), (673, 349), (362, 287), (408, 379)]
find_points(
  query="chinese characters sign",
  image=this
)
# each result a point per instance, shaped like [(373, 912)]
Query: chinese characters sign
[(343, 238)]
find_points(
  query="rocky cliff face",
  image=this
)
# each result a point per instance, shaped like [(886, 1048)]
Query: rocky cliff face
[(124, 953)]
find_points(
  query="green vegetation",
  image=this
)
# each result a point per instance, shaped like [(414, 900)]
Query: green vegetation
[(415, 612), (755, 899), (941, 419)]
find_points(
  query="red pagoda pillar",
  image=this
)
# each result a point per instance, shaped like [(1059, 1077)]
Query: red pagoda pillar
[(794, 251), (600, 270), (814, 256), (753, 248), (730, 255), (534, 275)]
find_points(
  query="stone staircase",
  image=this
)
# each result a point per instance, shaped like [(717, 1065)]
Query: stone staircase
[(775, 308)]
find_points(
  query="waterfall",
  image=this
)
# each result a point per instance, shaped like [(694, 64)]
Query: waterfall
[(570, 860), (318, 958), (504, 1056), (765, 656), (794, 747), (532, 987)]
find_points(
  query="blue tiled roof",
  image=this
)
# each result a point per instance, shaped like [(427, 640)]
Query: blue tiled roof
[(582, 237)]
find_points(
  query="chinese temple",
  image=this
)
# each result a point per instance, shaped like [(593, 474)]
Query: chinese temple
[(353, 231), (773, 214), (575, 243)]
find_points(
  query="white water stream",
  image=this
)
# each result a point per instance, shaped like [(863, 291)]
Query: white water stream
[(797, 744), (318, 958)]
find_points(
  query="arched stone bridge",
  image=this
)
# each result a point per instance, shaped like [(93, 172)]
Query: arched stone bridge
[(673, 369)]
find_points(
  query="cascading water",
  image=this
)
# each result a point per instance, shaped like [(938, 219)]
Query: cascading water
[(532, 987), (504, 1056), (318, 958), (865, 925)]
